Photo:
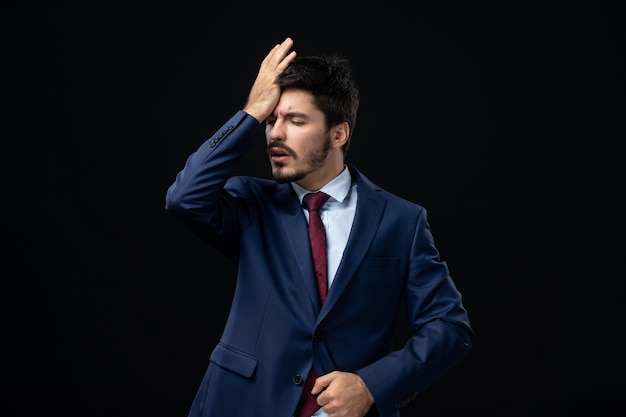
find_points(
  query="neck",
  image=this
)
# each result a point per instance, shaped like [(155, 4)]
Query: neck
[(320, 178)]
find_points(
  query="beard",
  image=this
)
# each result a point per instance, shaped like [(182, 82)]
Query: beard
[(313, 159)]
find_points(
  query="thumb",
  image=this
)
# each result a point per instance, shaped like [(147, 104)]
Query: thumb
[(321, 383)]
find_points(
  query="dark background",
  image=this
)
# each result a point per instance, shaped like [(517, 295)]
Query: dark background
[(505, 120)]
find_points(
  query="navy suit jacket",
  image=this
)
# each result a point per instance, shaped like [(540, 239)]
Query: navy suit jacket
[(277, 328)]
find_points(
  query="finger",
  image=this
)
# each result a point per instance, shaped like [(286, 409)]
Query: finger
[(280, 52), (286, 44), (286, 61), (319, 386)]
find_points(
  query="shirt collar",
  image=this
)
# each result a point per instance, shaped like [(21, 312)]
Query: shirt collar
[(337, 189)]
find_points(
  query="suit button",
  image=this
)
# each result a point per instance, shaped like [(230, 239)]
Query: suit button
[(317, 336), (297, 380)]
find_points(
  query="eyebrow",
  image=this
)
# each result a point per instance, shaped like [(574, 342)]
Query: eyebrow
[(291, 115), (295, 114)]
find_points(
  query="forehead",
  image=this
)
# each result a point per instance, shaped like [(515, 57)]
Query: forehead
[(293, 100)]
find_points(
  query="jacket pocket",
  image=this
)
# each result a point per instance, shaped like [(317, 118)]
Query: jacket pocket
[(234, 360), (380, 261)]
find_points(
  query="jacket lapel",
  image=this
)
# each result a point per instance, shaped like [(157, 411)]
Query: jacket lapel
[(369, 210), (295, 228)]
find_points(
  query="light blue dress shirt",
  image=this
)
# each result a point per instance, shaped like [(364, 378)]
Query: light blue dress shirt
[(337, 215)]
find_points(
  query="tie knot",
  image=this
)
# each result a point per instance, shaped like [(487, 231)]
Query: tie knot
[(314, 201)]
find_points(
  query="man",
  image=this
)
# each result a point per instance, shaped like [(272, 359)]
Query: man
[(379, 251)]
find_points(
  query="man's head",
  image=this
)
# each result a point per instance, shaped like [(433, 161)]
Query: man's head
[(310, 129), (329, 79)]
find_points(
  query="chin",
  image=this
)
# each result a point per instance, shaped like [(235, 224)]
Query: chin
[(282, 175)]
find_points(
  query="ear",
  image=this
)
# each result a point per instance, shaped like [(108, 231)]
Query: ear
[(339, 134)]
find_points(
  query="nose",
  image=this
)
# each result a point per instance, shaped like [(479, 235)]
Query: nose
[(276, 130)]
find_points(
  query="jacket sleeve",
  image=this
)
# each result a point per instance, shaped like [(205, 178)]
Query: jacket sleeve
[(197, 196), (441, 336)]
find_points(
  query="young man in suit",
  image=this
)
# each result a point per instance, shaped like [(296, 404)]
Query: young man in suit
[(282, 344)]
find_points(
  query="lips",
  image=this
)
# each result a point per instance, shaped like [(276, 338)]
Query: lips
[(279, 154)]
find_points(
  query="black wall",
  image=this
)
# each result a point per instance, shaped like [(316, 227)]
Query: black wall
[(505, 120)]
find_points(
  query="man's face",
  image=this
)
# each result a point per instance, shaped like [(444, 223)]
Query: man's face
[(298, 142)]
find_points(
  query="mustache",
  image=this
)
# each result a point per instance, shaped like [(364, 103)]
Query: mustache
[(278, 144)]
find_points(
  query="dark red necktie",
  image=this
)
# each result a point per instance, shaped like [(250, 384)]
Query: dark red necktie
[(313, 202)]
